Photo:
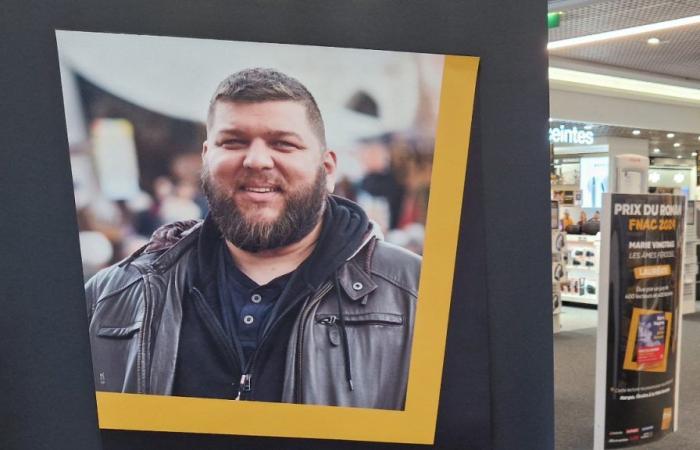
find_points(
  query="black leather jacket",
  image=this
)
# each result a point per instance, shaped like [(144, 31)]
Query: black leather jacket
[(135, 314)]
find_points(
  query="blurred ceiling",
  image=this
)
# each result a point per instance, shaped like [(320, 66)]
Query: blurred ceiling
[(673, 62), (676, 55)]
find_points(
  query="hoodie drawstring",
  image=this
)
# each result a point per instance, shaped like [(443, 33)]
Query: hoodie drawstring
[(344, 335)]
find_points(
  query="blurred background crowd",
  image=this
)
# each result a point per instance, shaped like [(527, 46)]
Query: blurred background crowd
[(136, 129)]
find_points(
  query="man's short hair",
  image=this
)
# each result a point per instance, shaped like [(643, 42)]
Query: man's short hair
[(264, 85)]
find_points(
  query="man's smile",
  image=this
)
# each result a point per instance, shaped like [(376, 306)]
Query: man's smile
[(259, 193), (260, 189)]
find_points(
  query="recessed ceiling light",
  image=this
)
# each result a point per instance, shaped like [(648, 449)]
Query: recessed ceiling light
[(678, 178), (679, 156), (631, 31), (636, 132), (676, 144), (694, 153), (654, 177), (670, 135), (653, 41), (657, 150), (590, 127)]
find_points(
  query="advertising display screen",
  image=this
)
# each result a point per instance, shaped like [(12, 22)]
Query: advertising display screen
[(640, 321), (593, 181)]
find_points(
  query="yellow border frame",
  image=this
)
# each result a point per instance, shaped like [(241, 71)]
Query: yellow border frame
[(632, 342), (416, 424)]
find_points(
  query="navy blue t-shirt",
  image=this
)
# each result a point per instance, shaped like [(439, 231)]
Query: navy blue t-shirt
[(245, 305)]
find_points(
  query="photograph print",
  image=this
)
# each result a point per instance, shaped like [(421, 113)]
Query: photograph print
[(255, 225)]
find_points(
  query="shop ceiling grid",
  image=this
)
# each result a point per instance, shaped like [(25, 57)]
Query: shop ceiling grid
[(678, 55), (608, 15)]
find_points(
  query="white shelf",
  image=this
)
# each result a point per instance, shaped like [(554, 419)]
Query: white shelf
[(574, 298), (593, 269)]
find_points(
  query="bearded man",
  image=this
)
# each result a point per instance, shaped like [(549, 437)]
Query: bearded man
[(283, 293)]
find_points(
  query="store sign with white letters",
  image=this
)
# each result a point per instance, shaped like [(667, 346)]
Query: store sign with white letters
[(563, 135)]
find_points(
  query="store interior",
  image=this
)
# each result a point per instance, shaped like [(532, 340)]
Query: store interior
[(624, 79)]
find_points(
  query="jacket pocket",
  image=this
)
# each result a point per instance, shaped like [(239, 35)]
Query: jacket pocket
[(119, 332), (361, 319), (378, 319)]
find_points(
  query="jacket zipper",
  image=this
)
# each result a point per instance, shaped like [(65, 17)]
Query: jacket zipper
[(333, 319), (243, 385), (220, 335), (247, 378), (144, 357), (306, 310)]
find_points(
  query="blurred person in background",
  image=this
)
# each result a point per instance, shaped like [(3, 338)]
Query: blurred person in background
[(379, 189), (582, 218), (566, 221)]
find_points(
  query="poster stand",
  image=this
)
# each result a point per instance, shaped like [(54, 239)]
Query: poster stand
[(639, 335)]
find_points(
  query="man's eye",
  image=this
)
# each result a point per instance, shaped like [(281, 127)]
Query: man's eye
[(285, 145)]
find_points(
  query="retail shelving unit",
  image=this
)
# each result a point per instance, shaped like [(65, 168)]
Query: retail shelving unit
[(582, 266), (558, 273), (690, 262)]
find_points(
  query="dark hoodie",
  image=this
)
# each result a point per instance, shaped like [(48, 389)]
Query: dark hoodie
[(209, 362)]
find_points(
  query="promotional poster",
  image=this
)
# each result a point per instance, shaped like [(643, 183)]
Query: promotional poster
[(639, 349), (353, 145)]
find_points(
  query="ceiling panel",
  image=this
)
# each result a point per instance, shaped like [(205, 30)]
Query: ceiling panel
[(607, 15), (678, 55)]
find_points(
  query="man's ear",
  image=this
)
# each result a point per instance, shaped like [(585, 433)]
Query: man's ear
[(330, 165), (205, 147)]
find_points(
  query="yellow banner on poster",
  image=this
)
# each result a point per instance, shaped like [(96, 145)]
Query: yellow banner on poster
[(652, 271)]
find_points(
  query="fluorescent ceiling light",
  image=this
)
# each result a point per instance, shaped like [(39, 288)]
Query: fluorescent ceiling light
[(677, 144), (657, 150), (670, 135), (636, 132), (624, 84), (624, 32), (653, 41)]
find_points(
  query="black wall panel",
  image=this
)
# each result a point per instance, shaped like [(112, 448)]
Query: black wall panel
[(497, 387)]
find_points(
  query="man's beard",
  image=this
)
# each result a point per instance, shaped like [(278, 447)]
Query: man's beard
[(301, 213)]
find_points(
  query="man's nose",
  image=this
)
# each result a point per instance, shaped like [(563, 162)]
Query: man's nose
[(258, 156)]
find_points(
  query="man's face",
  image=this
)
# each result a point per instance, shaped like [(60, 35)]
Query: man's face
[(265, 173)]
